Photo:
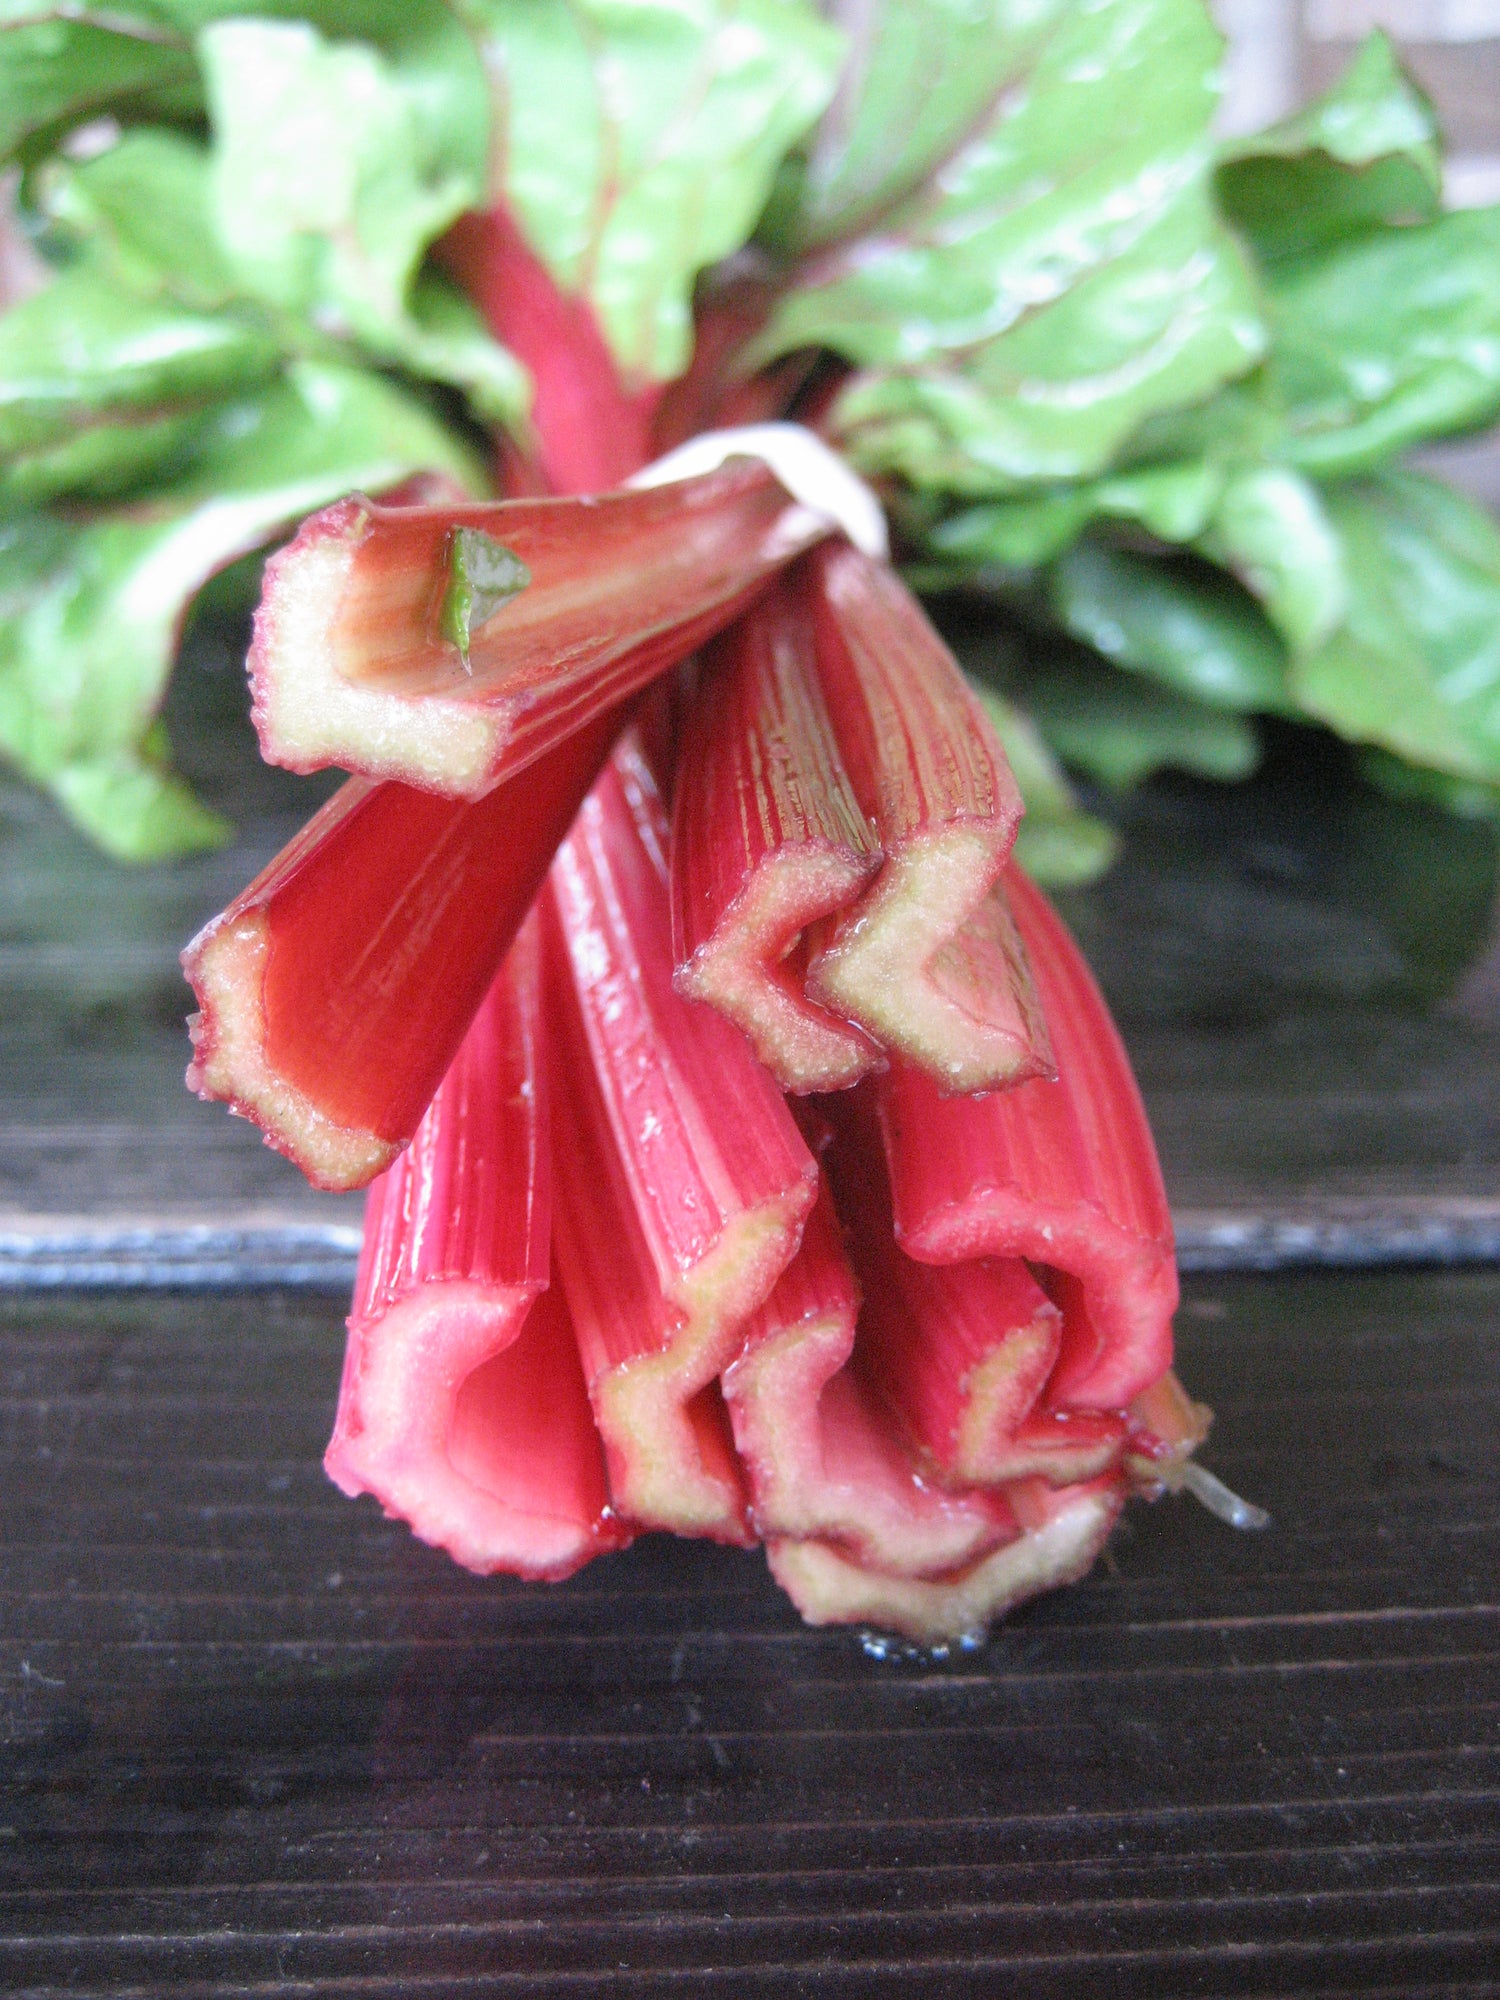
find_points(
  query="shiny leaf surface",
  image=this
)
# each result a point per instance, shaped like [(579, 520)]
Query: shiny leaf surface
[(635, 143), (1055, 273), (1415, 669), (89, 610), (1173, 621)]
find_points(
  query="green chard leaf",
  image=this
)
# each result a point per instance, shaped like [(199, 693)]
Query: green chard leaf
[(326, 187), (1415, 667), (1120, 730), (102, 461), (142, 211), (1059, 844), (63, 61), (90, 607), (1173, 620), (1041, 267), (1271, 530), (1386, 338), (1173, 502), (636, 143), (85, 350), (1365, 153)]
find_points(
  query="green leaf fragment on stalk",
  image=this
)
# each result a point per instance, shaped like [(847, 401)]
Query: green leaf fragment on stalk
[(483, 575)]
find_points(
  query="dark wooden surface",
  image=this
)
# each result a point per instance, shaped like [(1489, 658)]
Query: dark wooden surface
[(255, 1740)]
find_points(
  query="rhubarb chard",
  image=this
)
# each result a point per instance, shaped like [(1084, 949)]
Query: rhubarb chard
[(750, 1153)]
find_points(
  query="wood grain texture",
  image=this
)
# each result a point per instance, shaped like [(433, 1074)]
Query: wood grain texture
[(256, 1740)]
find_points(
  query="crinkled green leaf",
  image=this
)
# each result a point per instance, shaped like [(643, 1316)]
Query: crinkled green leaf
[(428, 52), (1270, 528), (1055, 276), (323, 200), (1384, 339), (1365, 153), (1120, 729), (1264, 523), (146, 207), (325, 191), (918, 76), (66, 60), (101, 461), (90, 608), (636, 142), (135, 807), (85, 349), (1174, 621), (1415, 667), (1059, 844), (1173, 502), (143, 208)]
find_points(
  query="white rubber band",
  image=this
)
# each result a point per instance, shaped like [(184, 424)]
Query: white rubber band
[(811, 471)]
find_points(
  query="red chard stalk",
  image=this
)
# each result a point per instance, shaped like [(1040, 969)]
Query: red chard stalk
[(448, 647), (1061, 1171), (823, 1458), (767, 841), (463, 1408), (335, 990), (588, 430), (1061, 1532), (683, 1184), (930, 776), (960, 1353)]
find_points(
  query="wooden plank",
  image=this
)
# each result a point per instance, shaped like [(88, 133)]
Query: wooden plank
[(255, 1739)]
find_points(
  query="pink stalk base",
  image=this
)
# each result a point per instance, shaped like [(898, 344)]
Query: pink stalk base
[(463, 1408), (960, 1353), (1062, 1532), (1061, 1172), (929, 773), (822, 1458), (350, 665), (767, 840), (683, 1184), (335, 990)]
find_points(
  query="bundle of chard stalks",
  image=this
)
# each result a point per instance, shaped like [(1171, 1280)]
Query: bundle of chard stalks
[(750, 1152)]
